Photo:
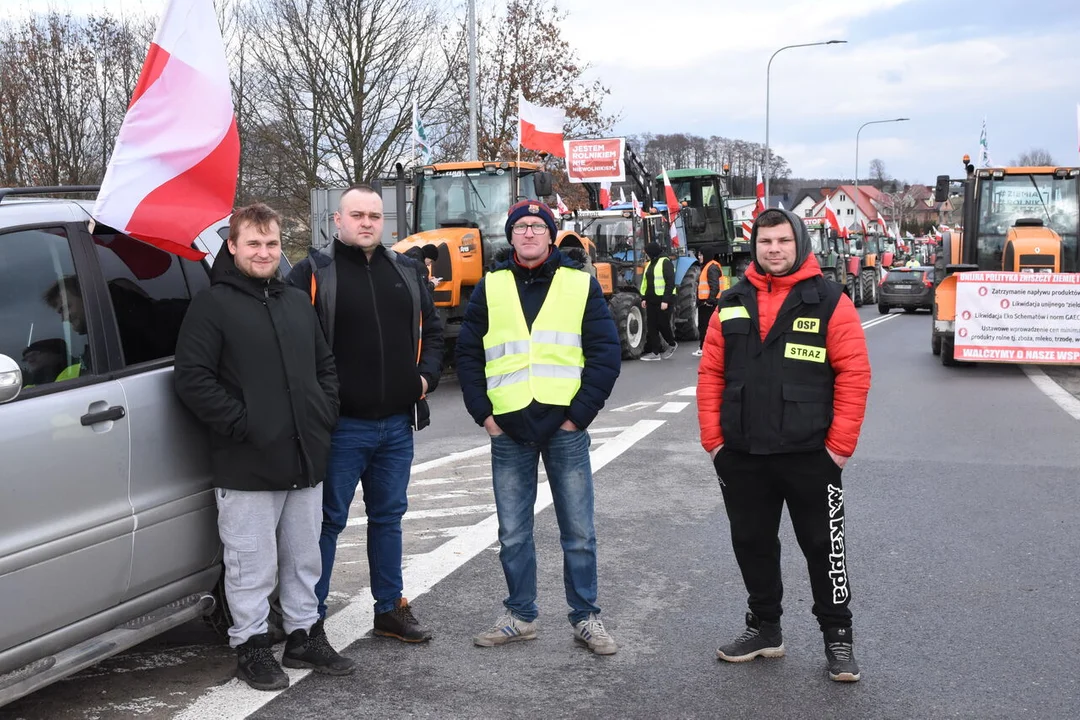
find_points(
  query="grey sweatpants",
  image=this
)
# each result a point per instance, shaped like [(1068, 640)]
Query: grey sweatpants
[(271, 538)]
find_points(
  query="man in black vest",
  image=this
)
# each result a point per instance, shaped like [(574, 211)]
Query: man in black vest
[(782, 389), (377, 313)]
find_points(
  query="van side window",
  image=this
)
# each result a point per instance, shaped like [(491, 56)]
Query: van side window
[(148, 291), (42, 319)]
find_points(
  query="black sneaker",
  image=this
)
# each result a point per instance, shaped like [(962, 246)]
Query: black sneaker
[(257, 666), (311, 650), (841, 655), (759, 639), (400, 623)]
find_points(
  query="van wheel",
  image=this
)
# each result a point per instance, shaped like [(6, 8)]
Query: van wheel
[(947, 358), (883, 309)]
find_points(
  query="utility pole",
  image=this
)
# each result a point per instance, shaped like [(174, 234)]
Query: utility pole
[(474, 152)]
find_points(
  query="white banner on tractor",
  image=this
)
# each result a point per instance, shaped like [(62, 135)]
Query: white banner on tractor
[(595, 161), (1018, 317)]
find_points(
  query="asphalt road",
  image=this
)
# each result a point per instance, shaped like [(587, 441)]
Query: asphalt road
[(962, 545)]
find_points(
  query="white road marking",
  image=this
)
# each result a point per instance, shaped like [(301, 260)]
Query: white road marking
[(672, 407), (879, 320), (1052, 390), (635, 406), (235, 700), (433, 513), (685, 392), (451, 458)]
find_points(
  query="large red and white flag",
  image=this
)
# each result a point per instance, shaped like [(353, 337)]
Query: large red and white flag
[(541, 128), (174, 168), (830, 216), (636, 205), (759, 191), (673, 208), (605, 195), (865, 231)]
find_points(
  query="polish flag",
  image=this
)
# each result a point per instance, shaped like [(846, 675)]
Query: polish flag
[(830, 216), (881, 222), (605, 195), (759, 206), (865, 231), (844, 233), (622, 197), (636, 205), (673, 208), (563, 210), (174, 168), (541, 128)]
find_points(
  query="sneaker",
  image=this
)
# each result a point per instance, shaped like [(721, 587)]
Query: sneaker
[(759, 639), (698, 353), (841, 655), (257, 666), (400, 623), (650, 357), (590, 632), (310, 650), (670, 351), (506, 629)]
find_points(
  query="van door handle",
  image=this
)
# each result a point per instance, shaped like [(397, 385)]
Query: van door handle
[(116, 412)]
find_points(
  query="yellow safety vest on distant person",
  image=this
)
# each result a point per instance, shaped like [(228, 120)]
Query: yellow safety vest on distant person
[(659, 286), (543, 365)]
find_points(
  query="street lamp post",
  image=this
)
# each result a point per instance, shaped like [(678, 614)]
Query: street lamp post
[(872, 122), (768, 68)]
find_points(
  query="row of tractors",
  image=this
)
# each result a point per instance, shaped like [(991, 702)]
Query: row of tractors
[(462, 207)]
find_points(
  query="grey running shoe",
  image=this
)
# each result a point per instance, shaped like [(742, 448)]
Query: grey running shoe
[(670, 351), (650, 357), (590, 632), (506, 629)]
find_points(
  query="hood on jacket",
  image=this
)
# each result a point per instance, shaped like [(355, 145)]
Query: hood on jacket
[(766, 283), (803, 248)]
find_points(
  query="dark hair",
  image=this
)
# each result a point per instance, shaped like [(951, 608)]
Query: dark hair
[(771, 218), (358, 187), (67, 285), (261, 215)]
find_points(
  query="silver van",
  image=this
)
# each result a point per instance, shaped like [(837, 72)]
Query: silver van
[(107, 521)]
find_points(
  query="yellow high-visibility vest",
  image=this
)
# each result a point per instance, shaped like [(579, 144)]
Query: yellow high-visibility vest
[(659, 286), (545, 364)]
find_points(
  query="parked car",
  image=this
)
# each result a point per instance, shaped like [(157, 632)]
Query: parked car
[(108, 529), (908, 288)]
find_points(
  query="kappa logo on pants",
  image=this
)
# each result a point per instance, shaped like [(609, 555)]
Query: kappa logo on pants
[(837, 569)]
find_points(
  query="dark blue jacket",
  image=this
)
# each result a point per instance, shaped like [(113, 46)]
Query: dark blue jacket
[(599, 340)]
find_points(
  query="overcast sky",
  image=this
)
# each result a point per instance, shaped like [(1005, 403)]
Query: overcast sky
[(699, 66)]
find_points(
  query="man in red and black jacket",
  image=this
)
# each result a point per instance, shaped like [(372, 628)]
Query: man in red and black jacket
[(782, 390)]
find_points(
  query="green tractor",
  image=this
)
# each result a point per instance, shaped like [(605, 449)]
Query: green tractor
[(705, 220)]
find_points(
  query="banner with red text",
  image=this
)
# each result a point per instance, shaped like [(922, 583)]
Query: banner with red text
[(1018, 317), (595, 161)]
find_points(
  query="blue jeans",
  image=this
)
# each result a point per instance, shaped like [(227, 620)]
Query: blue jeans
[(513, 470), (378, 454)]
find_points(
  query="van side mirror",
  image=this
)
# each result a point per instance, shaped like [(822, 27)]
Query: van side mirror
[(543, 183), (10, 379), (941, 190)]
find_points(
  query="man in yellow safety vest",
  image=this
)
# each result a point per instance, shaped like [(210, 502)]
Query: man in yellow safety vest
[(538, 355), (658, 298)]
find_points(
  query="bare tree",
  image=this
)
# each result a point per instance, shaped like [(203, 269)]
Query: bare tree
[(1035, 157), (519, 52), (878, 175)]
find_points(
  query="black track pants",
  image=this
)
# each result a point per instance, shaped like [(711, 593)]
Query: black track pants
[(704, 314), (658, 323), (755, 489)]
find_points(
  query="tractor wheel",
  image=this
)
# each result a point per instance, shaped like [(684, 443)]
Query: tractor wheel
[(685, 311), (855, 290), (935, 343), (869, 286), (630, 320), (829, 275), (740, 267)]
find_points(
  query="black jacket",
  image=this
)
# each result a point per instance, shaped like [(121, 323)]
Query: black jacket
[(670, 289), (424, 328), (252, 364), (599, 342)]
